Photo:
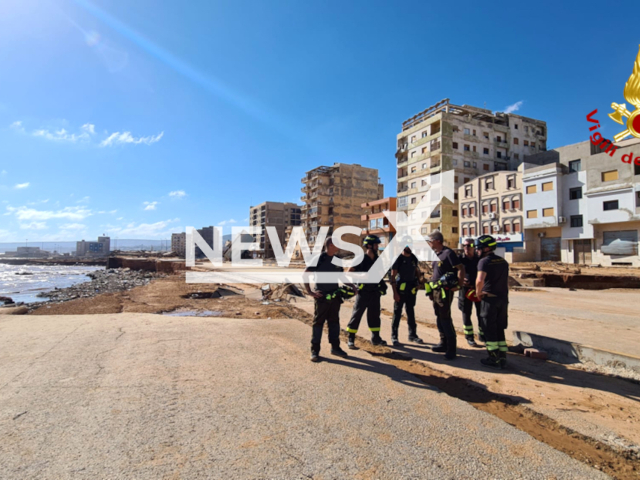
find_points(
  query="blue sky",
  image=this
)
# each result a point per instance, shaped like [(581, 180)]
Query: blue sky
[(140, 118)]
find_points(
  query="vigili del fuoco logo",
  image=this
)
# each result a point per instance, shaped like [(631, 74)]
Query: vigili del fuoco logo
[(632, 123)]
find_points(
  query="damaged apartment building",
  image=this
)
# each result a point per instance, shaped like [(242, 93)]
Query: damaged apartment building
[(333, 197), (445, 146), (272, 214)]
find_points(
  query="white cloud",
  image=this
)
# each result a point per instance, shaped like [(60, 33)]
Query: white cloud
[(73, 226), (126, 137), (146, 230), (31, 214), (514, 108), (33, 226), (150, 205), (22, 185), (60, 135), (89, 128), (227, 222), (177, 194), (120, 218), (84, 200), (17, 126), (246, 219)]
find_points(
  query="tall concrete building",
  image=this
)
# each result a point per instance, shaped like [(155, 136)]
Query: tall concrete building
[(179, 243), (273, 214), (333, 197), (447, 145)]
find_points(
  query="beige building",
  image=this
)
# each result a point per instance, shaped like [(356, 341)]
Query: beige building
[(333, 197), (375, 221), (179, 243), (584, 206), (491, 204), (446, 146), (273, 214)]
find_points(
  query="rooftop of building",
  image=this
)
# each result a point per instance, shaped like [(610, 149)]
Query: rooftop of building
[(477, 113), (377, 202)]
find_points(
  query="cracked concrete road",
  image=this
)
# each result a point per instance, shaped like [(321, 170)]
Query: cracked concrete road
[(149, 396)]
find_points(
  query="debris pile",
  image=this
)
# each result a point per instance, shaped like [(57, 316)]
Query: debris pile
[(102, 281)]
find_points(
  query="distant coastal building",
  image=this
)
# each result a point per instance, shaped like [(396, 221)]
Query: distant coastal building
[(27, 252), (101, 248), (179, 243), (273, 214)]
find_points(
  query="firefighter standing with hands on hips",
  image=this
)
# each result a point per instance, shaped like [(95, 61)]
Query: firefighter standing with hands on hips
[(492, 286), (328, 297), (405, 280), (368, 297), (467, 298)]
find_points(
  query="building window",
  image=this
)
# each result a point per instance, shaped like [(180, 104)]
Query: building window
[(511, 182), (466, 179), (467, 148), (499, 139), (424, 134), (413, 154), (610, 205), (516, 227), (610, 176), (413, 169), (488, 184), (465, 231), (499, 154), (424, 183), (575, 193), (547, 186), (574, 166), (468, 191), (455, 195), (547, 212), (474, 148), (472, 210), (413, 200), (485, 166), (636, 168), (413, 138), (464, 211), (424, 150), (526, 129), (485, 229), (485, 135), (576, 220), (472, 230), (455, 128), (505, 205), (515, 125), (531, 189), (467, 164), (516, 203), (533, 144), (515, 141), (455, 162), (532, 213), (485, 151), (526, 143), (475, 164), (506, 227), (454, 229), (485, 208), (455, 178), (494, 207), (454, 213), (455, 145), (474, 133), (413, 184), (466, 131), (516, 156)]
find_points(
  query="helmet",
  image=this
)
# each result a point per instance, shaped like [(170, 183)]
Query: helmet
[(449, 280), (370, 240), (486, 241), (471, 295)]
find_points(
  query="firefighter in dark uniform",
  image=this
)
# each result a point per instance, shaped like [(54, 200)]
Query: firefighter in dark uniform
[(447, 262), (492, 287), (368, 297), (328, 297), (470, 261), (405, 280)]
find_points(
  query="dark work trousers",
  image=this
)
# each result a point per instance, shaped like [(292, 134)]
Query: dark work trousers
[(329, 311), (408, 301), (494, 313), (369, 301), (466, 307), (444, 320)]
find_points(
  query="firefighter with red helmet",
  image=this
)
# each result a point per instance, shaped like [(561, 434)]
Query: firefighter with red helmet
[(492, 286), (467, 297)]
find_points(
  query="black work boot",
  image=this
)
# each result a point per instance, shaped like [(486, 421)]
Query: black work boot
[(502, 358), (492, 361), (413, 337), (441, 347), (351, 342), (315, 354), (481, 338), (471, 341), (336, 350), (451, 349), (394, 338), (377, 340)]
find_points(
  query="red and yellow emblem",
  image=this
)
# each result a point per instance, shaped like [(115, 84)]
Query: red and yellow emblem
[(632, 95)]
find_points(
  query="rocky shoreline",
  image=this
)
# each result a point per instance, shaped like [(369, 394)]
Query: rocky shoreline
[(102, 281)]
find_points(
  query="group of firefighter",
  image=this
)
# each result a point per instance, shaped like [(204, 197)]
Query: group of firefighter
[(479, 275)]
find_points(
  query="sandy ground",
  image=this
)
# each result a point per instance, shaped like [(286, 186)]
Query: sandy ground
[(149, 396), (603, 409)]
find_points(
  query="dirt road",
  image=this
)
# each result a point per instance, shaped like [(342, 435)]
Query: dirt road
[(149, 396)]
